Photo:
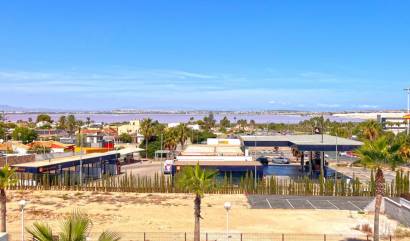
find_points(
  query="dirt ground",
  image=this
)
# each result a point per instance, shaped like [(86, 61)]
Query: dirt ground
[(131, 212)]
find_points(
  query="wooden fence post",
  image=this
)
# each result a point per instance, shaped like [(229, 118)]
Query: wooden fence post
[(185, 236), (324, 237), (367, 237), (283, 237), (144, 237), (241, 236), (206, 236)]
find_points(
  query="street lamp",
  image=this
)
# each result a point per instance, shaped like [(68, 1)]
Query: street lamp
[(22, 204), (227, 207)]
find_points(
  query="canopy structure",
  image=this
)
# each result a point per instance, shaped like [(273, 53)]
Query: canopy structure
[(302, 143)]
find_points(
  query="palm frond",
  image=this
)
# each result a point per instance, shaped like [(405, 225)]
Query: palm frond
[(109, 236), (75, 227), (41, 231)]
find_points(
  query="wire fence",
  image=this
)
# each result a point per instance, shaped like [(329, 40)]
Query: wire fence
[(245, 185), (212, 236)]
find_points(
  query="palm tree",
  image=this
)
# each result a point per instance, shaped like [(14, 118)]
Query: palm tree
[(7, 178), (147, 130), (182, 134), (371, 130), (379, 152), (170, 139), (75, 228), (62, 122), (196, 181), (71, 124)]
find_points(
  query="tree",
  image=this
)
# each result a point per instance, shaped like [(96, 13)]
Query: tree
[(201, 136), (62, 122), (43, 117), (2, 133), (379, 152), (88, 121), (24, 134), (40, 149), (369, 130), (242, 124), (171, 139), (125, 138), (147, 130), (75, 228), (182, 134), (209, 121), (196, 181), (71, 124), (7, 178), (224, 123)]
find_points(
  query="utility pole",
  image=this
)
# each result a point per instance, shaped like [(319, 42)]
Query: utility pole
[(408, 109)]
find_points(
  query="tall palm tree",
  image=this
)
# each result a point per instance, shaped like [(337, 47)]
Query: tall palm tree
[(171, 139), (196, 181), (71, 124), (182, 133), (371, 130), (75, 228), (380, 152), (7, 178), (147, 130)]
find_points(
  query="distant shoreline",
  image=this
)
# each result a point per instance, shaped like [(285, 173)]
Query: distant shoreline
[(262, 118)]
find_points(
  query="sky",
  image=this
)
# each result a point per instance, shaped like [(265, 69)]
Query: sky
[(215, 55)]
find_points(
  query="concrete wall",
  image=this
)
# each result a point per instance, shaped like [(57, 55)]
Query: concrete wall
[(399, 211), (12, 160)]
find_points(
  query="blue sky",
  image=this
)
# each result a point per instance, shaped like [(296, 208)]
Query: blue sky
[(231, 55)]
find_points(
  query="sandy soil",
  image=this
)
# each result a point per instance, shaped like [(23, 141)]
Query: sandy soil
[(131, 212)]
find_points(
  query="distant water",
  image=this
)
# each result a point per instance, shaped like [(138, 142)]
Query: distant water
[(172, 118)]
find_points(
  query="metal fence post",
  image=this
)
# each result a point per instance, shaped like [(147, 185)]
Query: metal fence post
[(185, 236), (283, 237), (144, 237), (206, 236), (390, 237), (241, 236), (324, 237)]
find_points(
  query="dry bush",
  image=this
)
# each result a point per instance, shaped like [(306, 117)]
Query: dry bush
[(364, 228), (402, 233)]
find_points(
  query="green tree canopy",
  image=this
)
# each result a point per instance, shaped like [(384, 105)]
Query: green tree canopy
[(24, 134), (125, 138), (43, 117)]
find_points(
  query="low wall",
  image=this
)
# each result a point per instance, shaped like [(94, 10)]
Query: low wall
[(12, 160), (399, 211)]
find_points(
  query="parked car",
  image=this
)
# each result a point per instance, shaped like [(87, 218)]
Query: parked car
[(280, 160)]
